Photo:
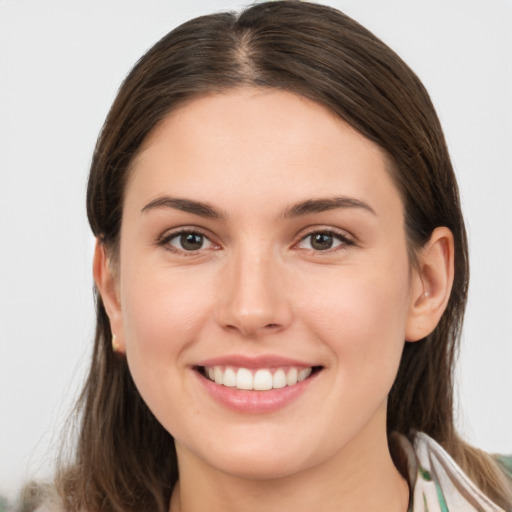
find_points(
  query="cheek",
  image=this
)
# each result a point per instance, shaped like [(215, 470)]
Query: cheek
[(163, 312), (361, 313)]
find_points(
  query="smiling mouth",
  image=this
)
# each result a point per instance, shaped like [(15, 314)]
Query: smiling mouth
[(262, 379)]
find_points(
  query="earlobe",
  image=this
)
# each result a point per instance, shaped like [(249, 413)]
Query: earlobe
[(431, 284), (106, 283)]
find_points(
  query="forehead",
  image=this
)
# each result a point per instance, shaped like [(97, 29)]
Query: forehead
[(267, 144)]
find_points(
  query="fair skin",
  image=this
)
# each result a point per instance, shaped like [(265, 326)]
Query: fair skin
[(295, 258)]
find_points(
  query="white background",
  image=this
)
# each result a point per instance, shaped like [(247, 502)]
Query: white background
[(61, 63)]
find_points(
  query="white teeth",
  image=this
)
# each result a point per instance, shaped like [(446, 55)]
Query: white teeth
[(304, 374), (261, 380), (229, 378), (218, 375), (243, 379), (279, 379), (291, 377)]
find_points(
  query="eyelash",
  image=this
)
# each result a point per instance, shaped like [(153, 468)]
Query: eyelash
[(165, 241), (341, 237), (345, 241)]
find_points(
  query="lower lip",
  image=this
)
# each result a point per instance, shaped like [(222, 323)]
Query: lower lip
[(255, 402)]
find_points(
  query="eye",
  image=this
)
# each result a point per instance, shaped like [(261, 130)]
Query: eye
[(187, 241), (323, 241)]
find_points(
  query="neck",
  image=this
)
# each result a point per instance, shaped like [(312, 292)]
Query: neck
[(361, 477)]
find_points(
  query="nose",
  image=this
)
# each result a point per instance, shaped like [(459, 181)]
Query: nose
[(254, 301)]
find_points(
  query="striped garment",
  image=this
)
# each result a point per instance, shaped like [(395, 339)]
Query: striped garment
[(438, 484)]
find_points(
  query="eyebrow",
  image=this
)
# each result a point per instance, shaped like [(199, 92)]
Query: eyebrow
[(307, 207), (325, 204), (185, 205)]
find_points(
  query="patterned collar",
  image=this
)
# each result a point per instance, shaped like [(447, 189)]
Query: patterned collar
[(437, 483)]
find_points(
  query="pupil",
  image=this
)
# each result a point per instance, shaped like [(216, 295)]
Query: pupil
[(191, 241), (322, 241)]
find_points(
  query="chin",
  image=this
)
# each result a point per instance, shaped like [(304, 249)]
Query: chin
[(260, 467), (256, 460)]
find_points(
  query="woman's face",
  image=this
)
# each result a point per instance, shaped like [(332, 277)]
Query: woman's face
[(263, 243)]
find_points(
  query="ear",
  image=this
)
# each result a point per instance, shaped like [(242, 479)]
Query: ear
[(431, 284), (107, 284)]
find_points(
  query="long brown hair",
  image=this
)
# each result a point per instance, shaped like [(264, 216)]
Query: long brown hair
[(125, 460)]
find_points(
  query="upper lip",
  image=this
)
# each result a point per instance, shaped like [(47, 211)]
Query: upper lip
[(262, 361)]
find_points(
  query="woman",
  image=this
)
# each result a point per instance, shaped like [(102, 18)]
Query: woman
[(282, 271)]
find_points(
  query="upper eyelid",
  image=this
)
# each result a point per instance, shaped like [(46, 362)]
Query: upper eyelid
[(171, 233), (346, 241), (166, 242), (342, 233), (301, 235)]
